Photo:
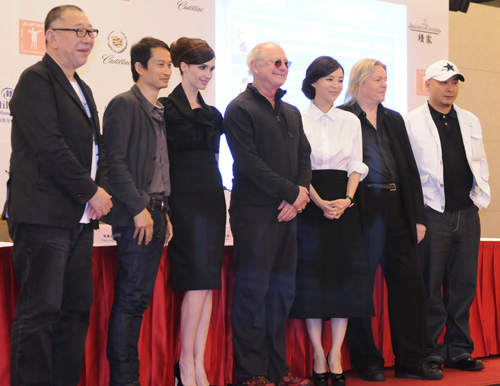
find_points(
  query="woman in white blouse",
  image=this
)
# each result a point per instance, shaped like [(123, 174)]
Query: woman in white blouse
[(331, 264)]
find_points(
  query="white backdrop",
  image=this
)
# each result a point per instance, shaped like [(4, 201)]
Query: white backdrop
[(123, 22)]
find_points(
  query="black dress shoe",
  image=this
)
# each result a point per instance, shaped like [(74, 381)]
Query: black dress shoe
[(467, 364), (338, 379), (434, 365), (320, 379), (424, 371), (372, 374)]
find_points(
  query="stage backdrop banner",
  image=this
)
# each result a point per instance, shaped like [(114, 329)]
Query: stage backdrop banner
[(123, 22), (428, 37)]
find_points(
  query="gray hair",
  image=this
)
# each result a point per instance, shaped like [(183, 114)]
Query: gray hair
[(257, 53)]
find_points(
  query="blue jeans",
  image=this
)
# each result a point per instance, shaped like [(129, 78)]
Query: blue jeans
[(53, 267), (136, 270), (449, 254)]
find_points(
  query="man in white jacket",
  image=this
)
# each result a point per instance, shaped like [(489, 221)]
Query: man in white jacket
[(449, 151)]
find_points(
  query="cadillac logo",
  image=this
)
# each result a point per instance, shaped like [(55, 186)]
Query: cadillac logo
[(117, 41)]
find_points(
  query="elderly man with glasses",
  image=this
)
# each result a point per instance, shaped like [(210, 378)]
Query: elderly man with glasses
[(272, 173)]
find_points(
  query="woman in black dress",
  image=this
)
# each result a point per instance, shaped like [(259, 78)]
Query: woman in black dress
[(331, 266), (197, 201)]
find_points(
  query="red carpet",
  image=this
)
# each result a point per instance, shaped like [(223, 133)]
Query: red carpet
[(490, 376)]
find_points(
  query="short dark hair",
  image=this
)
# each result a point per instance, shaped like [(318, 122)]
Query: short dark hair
[(319, 68), (56, 13), (141, 52), (191, 51)]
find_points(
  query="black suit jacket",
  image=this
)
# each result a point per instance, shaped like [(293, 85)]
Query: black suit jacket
[(410, 185), (52, 139)]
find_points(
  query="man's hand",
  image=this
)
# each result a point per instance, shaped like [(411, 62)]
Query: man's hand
[(302, 199), (170, 231), (143, 227), (420, 232), (288, 212), (99, 205)]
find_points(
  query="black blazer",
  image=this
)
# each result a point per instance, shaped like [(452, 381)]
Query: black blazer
[(51, 156), (410, 185)]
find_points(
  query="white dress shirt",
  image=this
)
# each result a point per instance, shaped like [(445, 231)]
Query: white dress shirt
[(335, 139)]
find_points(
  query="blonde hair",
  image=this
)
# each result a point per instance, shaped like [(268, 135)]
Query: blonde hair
[(361, 71)]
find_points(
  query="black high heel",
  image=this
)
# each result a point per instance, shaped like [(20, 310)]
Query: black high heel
[(320, 379), (177, 374), (338, 379)]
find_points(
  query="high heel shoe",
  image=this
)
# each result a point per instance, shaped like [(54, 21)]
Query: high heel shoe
[(338, 379), (320, 379), (177, 374)]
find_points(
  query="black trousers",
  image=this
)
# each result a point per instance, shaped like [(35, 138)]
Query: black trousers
[(265, 260), (388, 242), (53, 267)]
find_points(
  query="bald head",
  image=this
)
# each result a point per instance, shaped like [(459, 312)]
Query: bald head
[(259, 53)]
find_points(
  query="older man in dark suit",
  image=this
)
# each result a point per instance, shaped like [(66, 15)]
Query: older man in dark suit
[(56, 167), (272, 174)]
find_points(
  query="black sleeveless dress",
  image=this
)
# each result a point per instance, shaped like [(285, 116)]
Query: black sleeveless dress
[(197, 195)]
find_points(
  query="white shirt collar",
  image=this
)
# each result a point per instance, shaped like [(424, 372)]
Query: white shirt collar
[(316, 113)]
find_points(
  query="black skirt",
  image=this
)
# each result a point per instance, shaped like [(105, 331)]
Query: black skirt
[(198, 219), (332, 271)]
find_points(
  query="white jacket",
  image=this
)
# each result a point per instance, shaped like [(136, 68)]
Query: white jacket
[(426, 145)]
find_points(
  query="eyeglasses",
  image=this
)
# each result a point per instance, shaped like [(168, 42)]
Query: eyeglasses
[(278, 63), (80, 32)]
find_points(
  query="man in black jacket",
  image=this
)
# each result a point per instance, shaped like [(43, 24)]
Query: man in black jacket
[(134, 130), (272, 173), (57, 168), (393, 218)]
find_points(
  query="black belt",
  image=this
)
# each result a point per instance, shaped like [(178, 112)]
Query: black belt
[(158, 203), (392, 186)]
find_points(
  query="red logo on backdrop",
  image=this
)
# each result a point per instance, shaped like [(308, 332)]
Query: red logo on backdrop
[(420, 83), (31, 38)]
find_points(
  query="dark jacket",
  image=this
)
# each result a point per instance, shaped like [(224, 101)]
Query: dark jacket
[(409, 179), (130, 140), (52, 139), (270, 150), (187, 130)]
